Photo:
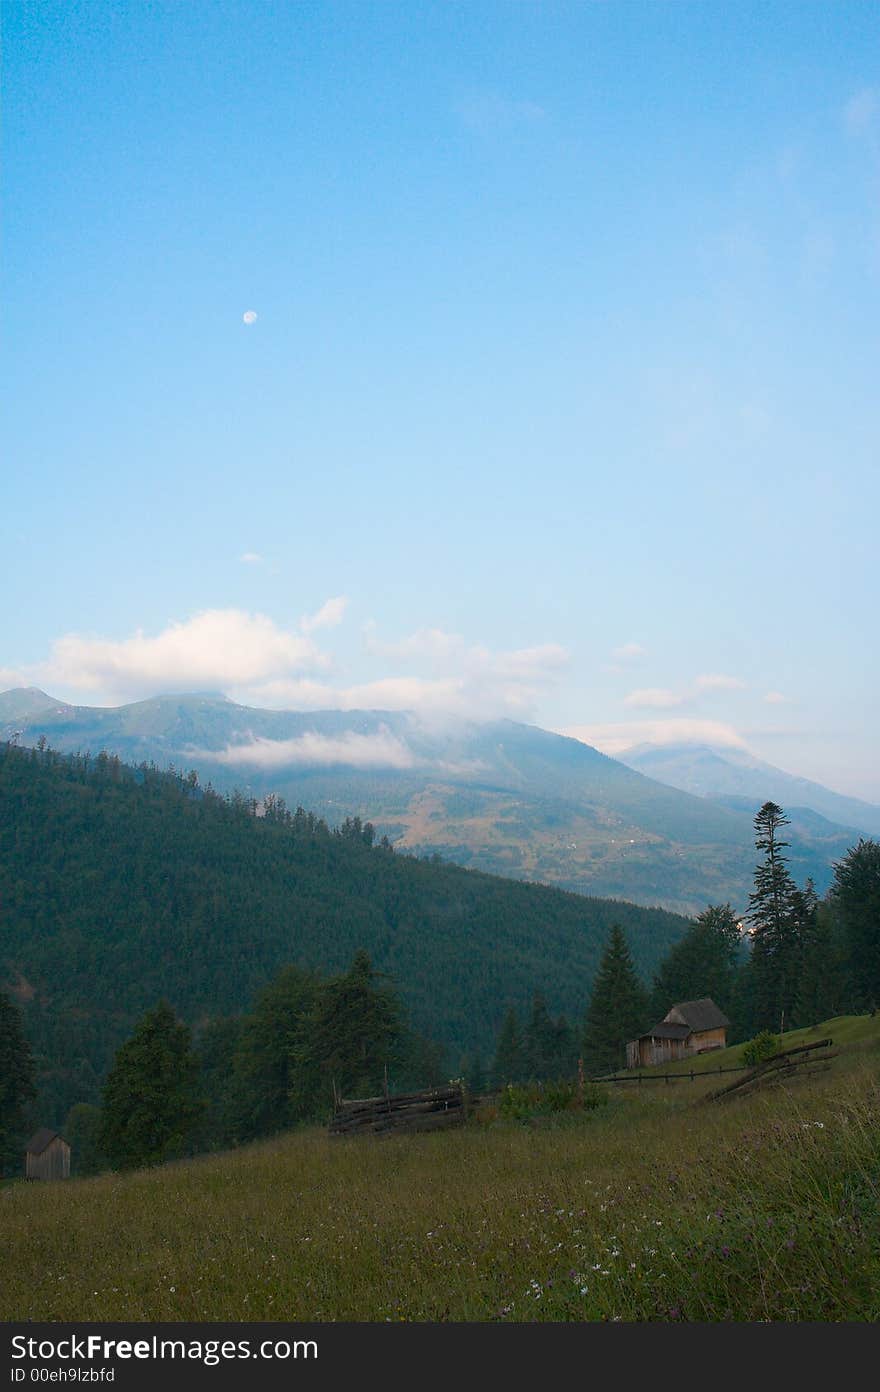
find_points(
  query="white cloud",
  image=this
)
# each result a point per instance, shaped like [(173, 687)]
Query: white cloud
[(217, 650), (330, 614), (458, 696), (775, 698), (465, 680), (380, 750), (524, 664), (615, 737), (653, 696), (718, 681), (861, 109), (250, 316), (628, 652), (253, 660), (387, 693), (251, 558), (11, 677)]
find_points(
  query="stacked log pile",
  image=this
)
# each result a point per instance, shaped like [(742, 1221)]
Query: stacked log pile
[(780, 1068), (414, 1111)]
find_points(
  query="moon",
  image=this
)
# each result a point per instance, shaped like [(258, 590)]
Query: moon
[(250, 316)]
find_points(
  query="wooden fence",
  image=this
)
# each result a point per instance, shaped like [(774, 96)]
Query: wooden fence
[(694, 1075), (800, 1062), (805, 1058), (413, 1111)]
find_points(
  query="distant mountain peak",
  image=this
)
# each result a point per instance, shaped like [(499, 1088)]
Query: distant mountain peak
[(722, 772)]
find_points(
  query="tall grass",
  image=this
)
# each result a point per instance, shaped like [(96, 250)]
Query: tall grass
[(647, 1209)]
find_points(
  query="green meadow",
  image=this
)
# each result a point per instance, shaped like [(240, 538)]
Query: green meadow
[(656, 1206)]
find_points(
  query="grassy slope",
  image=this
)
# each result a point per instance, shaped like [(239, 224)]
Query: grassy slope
[(651, 1208)]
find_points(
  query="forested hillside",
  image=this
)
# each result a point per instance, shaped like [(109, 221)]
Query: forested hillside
[(120, 886), (498, 796)]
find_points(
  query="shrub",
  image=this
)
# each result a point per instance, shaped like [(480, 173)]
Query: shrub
[(523, 1101), (763, 1046)]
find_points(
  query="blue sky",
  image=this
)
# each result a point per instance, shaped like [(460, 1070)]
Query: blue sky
[(562, 387)]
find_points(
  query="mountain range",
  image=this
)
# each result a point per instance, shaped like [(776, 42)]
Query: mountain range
[(730, 774), (502, 796)]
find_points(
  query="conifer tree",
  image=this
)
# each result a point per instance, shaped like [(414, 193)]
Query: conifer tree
[(82, 1132), (566, 1050), (540, 1041), (618, 1010), (823, 988), (263, 1066), (474, 1075), (702, 963), (856, 897), (777, 917), (510, 1064), (354, 1031), (17, 1088), (150, 1106)]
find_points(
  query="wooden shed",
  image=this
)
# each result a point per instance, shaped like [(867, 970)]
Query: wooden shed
[(690, 1027), (47, 1156)]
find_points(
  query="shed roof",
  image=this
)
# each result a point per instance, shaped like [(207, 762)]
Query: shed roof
[(41, 1139), (700, 1015), (666, 1030)]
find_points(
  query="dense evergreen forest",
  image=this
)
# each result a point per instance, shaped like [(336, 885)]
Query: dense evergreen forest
[(121, 886)]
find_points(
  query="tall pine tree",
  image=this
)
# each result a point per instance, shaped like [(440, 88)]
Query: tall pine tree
[(540, 1040), (618, 1010), (510, 1065), (150, 1104), (856, 898), (702, 963), (263, 1080), (17, 1088), (776, 914), (354, 1031), (824, 987)]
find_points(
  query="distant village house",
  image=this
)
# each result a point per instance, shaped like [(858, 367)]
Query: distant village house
[(691, 1027), (47, 1156)]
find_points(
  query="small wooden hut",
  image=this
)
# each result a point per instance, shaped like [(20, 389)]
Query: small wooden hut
[(690, 1027), (47, 1156)]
